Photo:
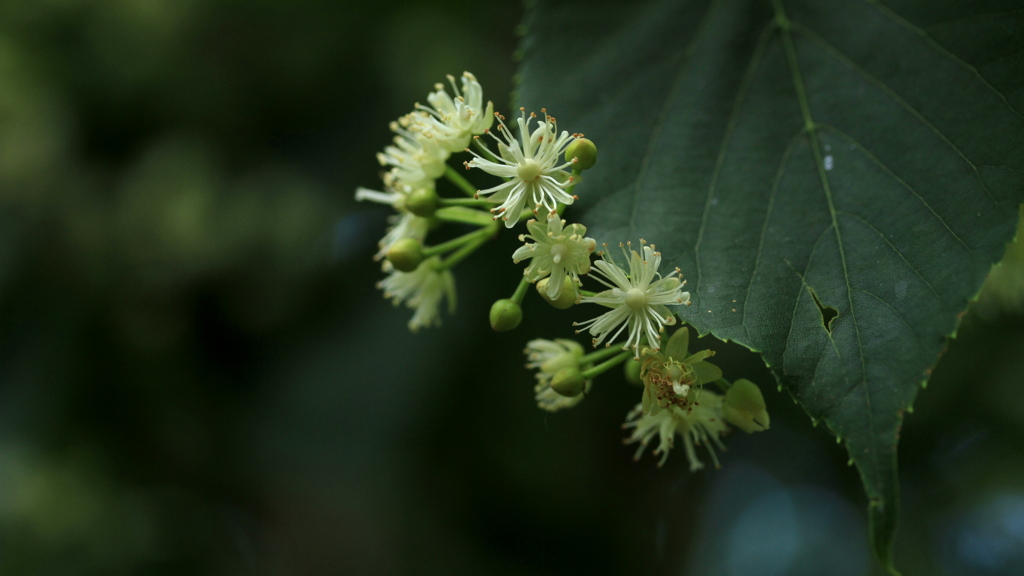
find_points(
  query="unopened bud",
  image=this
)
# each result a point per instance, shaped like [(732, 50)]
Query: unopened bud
[(631, 369), (568, 382), (422, 202), (406, 254), (566, 299), (505, 315), (584, 151), (744, 407)]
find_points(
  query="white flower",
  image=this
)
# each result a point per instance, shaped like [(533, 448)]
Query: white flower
[(416, 159), (422, 290), (534, 170), (403, 225), (453, 121), (556, 251), (637, 299), (700, 424), (548, 357)]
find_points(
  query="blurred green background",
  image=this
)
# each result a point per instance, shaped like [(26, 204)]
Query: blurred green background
[(197, 375)]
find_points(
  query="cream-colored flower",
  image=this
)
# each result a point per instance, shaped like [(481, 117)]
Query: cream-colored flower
[(422, 290), (453, 121), (556, 251), (548, 357), (404, 224), (416, 160), (534, 169), (701, 423), (638, 299)]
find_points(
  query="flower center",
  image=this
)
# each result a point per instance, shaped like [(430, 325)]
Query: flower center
[(636, 299), (558, 252), (528, 170)]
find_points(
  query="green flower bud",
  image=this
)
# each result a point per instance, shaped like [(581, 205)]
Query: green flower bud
[(566, 299), (406, 254), (422, 202), (584, 151), (505, 315), (568, 382), (744, 407), (631, 368)]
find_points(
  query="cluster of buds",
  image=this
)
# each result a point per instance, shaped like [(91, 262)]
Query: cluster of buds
[(539, 169)]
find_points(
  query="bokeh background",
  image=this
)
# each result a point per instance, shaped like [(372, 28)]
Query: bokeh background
[(197, 375)]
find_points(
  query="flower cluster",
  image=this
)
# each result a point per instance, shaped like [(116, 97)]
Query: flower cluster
[(539, 167)]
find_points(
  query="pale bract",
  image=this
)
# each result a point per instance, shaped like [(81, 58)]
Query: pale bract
[(638, 299), (557, 250), (534, 168), (422, 290), (452, 121), (701, 424)]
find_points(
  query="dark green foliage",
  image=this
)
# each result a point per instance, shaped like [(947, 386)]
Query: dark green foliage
[(835, 178)]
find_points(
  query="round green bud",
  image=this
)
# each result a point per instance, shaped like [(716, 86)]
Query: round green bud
[(566, 299), (406, 254), (744, 407), (584, 151), (631, 369), (422, 202), (505, 315), (568, 382)]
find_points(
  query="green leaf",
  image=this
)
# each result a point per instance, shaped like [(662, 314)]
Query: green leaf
[(834, 177)]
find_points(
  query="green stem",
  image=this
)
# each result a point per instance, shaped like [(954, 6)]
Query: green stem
[(455, 242), (520, 292), (723, 384), (588, 293), (455, 178), (468, 248), (607, 365), (468, 202), (464, 215), (600, 355)]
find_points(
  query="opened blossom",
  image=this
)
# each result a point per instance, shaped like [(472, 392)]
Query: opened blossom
[(701, 424), (404, 224), (422, 290), (452, 121), (557, 251), (548, 357), (533, 166), (416, 160), (638, 299)]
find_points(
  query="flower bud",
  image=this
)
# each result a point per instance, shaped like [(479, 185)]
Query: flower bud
[(744, 407), (568, 382), (505, 315), (405, 254), (422, 202), (584, 151), (566, 299), (631, 368)]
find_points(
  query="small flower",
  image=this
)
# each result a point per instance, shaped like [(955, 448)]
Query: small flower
[(701, 424), (416, 159), (673, 377), (422, 290), (548, 357), (556, 252), (403, 225), (534, 170), (638, 299), (453, 121)]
